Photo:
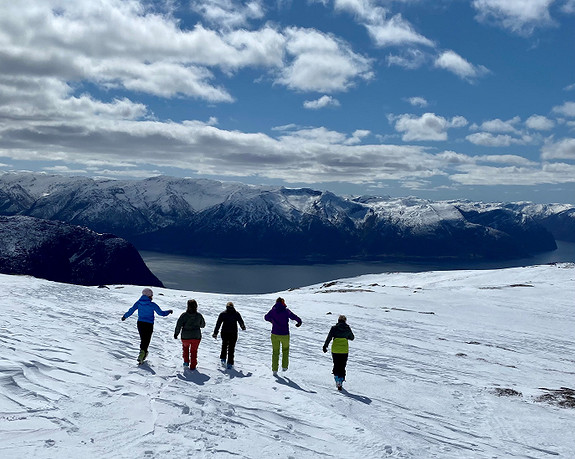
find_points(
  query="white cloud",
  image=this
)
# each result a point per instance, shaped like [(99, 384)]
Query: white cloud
[(513, 160), (563, 149), (228, 13), (498, 126), (409, 59), (418, 101), (321, 62), (514, 175), (322, 102), (51, 100), (519, 16), (539, 123), (384, 31), (453, 62), (567, 109), (487, 139), (121, 44), (357, 137), (395, 31), (428, 126), (454, 158)]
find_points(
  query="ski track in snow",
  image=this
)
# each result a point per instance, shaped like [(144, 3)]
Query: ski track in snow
[(430, 350)]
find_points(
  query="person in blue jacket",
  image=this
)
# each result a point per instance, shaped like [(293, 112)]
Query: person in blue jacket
[(146, 309)]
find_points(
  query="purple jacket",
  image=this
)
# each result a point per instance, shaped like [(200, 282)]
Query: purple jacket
[(279, 316)]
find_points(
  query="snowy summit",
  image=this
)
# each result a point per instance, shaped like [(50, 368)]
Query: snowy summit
[(460, 364)]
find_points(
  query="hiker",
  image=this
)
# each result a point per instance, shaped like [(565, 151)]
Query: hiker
[(146, 309), (279, 316), (229, 320), (341, 334), (190, 323)]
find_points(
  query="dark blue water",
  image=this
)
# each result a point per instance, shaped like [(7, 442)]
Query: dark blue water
[(250, 277)]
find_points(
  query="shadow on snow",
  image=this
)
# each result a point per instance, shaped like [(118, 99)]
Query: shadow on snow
[(232, 373), (288, 382), (194, 376), (359, 398)]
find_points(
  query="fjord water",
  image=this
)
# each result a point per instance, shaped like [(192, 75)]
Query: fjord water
[(217, 275)]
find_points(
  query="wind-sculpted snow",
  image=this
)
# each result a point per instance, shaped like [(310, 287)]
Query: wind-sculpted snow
[(445, 365), (212, 218)]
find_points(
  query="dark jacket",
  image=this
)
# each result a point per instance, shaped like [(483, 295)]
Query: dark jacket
[(340, 333), (229, 320), (279, 316), (190, 324)]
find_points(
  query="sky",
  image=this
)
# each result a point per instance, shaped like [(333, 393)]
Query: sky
[(443, 99), (427, 372)]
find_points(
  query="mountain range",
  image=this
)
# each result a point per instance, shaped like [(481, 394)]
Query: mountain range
[(225, 219)]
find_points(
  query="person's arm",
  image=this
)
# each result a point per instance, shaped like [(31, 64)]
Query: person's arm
[(350, 336), (202, 321), (130, 311), (218, 325), (292, 316), (241, 321), (269, 316), (328, 339), (179, 325), (159, 311)]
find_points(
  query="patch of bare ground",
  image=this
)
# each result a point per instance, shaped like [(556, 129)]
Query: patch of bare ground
[(507, 392), (563, 397)]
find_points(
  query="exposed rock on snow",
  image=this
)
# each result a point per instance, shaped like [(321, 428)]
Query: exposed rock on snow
[(60, 252)]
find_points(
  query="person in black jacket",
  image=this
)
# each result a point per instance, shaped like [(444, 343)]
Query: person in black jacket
[(229, 320), (341, 334)]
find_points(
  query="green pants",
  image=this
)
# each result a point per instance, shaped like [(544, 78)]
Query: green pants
[(278, 340)]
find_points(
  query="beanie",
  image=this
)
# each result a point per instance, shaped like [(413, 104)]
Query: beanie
[(148, 292)]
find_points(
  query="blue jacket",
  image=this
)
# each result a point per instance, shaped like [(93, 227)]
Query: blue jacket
[(146, 308)]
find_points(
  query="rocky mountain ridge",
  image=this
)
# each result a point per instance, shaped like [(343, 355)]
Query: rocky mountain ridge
[(60, 252), (212, 218)]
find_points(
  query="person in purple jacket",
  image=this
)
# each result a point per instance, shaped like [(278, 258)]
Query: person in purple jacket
[(279, 316)]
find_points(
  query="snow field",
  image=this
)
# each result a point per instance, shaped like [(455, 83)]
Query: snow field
[(431, 350)]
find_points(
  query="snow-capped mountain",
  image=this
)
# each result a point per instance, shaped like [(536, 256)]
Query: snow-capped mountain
[(559, 219), (65, 253), (205, 217)]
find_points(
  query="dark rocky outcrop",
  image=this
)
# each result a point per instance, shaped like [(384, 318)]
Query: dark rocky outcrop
[(65, 253)]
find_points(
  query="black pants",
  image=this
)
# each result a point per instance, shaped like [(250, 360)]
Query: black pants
[(339, 363), (145, 330), (229, 340)]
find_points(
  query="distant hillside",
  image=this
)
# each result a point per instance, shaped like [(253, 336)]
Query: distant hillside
[(64, 253), (212, 218)]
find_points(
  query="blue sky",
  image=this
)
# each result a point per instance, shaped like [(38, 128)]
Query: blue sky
[(442, 99)]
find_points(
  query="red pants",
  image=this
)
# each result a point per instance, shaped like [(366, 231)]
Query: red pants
[(190, 352)]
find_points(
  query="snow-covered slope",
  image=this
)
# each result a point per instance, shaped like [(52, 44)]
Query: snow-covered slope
[(211, 218), (466, 364)]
